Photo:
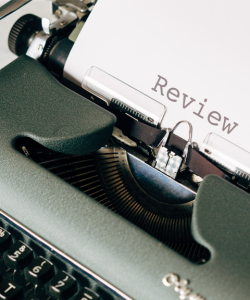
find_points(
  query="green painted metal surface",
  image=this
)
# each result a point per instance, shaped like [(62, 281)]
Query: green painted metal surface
[(33, 104)]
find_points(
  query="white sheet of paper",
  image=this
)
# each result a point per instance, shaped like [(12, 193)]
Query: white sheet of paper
[(202, 49)]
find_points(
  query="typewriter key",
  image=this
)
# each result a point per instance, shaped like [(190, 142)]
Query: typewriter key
[(62, 286), (87, 294), (5, 240), (9, 290), (18, 256), (31, 297), (39, 271)]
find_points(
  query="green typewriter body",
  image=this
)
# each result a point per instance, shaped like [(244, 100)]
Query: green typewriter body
[(71, 199)]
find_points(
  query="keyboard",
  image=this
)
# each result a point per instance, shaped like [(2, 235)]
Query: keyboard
[(31, 268)]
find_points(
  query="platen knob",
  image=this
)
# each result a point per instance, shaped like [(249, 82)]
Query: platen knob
[(22, 32)]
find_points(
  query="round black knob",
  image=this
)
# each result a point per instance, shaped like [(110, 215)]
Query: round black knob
[(21, 33)]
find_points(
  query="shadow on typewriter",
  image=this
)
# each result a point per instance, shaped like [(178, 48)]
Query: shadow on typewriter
[(111, 177)]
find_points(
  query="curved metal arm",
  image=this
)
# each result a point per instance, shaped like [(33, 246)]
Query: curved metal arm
[(169, 130), (190, 129), (185, 152)]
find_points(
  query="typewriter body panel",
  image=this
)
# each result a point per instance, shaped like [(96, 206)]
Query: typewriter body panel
[(124, 258)]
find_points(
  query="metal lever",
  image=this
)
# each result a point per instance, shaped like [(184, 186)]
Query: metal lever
[(46, 25), (169, 130), (167, 161), (185, 151)]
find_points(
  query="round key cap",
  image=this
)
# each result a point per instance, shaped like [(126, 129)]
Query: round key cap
[(87, 294), (39, 271), (31, 297), (18, 256), (9, 290), (62, 286), (5, 240)]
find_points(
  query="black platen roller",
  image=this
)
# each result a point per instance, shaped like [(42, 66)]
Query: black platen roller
[(21, 33)]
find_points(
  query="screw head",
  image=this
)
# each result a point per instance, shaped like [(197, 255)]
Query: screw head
[(58, 13), (63, 23)]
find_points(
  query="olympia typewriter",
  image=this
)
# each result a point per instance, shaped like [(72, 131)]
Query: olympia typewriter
[(97, 200)]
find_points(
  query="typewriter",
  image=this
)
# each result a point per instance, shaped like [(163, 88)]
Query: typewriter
[(97, 201)]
